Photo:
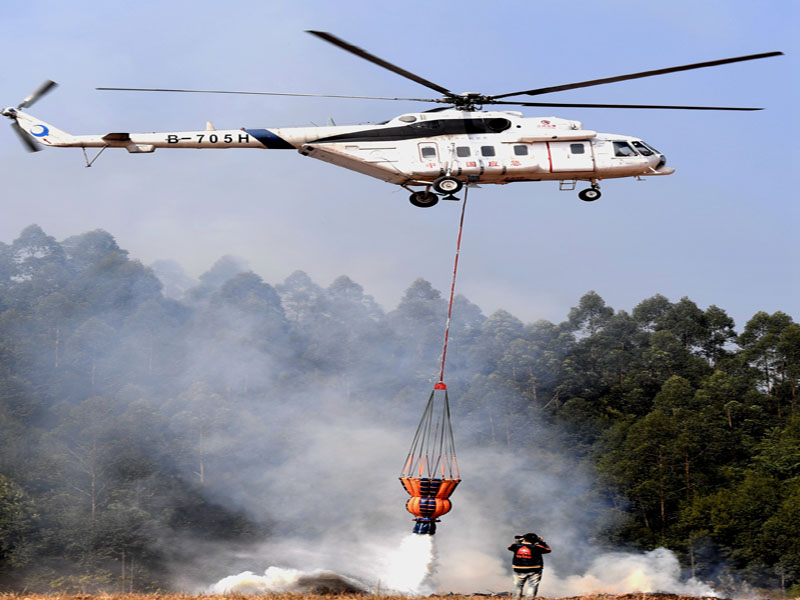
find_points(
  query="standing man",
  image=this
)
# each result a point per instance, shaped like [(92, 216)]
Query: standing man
[(527, 563)]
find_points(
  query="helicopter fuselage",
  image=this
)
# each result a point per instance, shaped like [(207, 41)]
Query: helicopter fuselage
[(415, 149)]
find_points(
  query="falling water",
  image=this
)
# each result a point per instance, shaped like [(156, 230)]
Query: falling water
[(410, 569)]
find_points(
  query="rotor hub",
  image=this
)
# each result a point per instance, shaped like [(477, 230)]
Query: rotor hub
[(470, 101)]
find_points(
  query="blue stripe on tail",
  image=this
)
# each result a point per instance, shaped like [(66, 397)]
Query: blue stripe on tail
[(269, 139)]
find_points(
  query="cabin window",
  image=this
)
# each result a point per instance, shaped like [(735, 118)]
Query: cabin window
[(462, 151), (487, 151), (623, 149), (644, 150), (521, 150), (577, 148), (428, 152)]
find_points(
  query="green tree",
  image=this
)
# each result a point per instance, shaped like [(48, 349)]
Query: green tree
[(591, 314), (418, 322), (760, 341), (719, 332), (17, 527), (788, 350), (686, 321)]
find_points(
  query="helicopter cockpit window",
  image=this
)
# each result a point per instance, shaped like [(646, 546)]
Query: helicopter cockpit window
[(462, 151), (577, 148), (643, 149), (623, 149), (649, 147), (487, 151), (521, 150)]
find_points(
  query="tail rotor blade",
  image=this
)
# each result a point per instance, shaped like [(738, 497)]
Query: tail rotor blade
[(38, 93), (26, 139)]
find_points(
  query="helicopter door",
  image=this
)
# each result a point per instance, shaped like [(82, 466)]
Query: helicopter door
[(429, 154), (570, 156), (428, 160), (491, 166), (465, 159)]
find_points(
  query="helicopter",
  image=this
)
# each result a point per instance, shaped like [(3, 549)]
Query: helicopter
[(439, 150)]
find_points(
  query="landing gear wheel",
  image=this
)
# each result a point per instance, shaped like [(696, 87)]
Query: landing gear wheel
[(423, 199), (447, 185), (589, 194)]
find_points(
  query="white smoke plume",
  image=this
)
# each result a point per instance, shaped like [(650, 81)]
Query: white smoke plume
[(320, 462), (622, 573), (278, 581), (336, 483)]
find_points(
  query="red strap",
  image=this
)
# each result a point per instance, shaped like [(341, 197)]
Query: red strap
[(453, 285)]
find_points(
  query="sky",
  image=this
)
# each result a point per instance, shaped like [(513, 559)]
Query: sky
[(721, 230)]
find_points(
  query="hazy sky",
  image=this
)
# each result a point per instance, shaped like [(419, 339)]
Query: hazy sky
[(721, 230)]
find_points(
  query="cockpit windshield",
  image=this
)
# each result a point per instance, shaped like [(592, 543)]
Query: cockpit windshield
[(645, 149)]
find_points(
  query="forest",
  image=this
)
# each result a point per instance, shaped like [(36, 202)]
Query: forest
[(122, 384)]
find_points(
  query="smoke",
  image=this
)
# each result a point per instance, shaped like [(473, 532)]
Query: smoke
[(339, 510), (621, 573), (407, 569), (318, 460), (295, 406), (276, 581)]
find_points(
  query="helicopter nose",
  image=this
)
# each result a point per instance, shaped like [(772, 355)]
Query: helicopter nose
[(661, 168)]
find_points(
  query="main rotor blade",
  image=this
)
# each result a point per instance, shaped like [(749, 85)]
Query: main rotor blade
[(29, 143), (379, 61), (581, 84), (653, 106), (118, 89), (38, 93), (439, 109)]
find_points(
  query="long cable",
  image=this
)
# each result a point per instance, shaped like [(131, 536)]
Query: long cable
[(453, 285)]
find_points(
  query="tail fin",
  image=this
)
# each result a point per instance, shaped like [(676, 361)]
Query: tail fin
[(42, 132)]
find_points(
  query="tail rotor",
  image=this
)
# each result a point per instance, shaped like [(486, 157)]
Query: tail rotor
[(38, 93), (24, 137), (11, 113)]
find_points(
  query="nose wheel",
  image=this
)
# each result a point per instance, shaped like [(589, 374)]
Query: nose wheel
[(590, 194)]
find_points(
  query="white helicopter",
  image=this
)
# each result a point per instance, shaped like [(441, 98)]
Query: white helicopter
[(439, 150)]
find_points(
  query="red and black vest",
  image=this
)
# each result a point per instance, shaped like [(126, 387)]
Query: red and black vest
[(528, 556)]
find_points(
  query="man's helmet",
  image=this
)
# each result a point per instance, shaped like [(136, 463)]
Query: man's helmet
[(530, 537)]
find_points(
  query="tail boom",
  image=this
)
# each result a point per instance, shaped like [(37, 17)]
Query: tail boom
[(49, 135)]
